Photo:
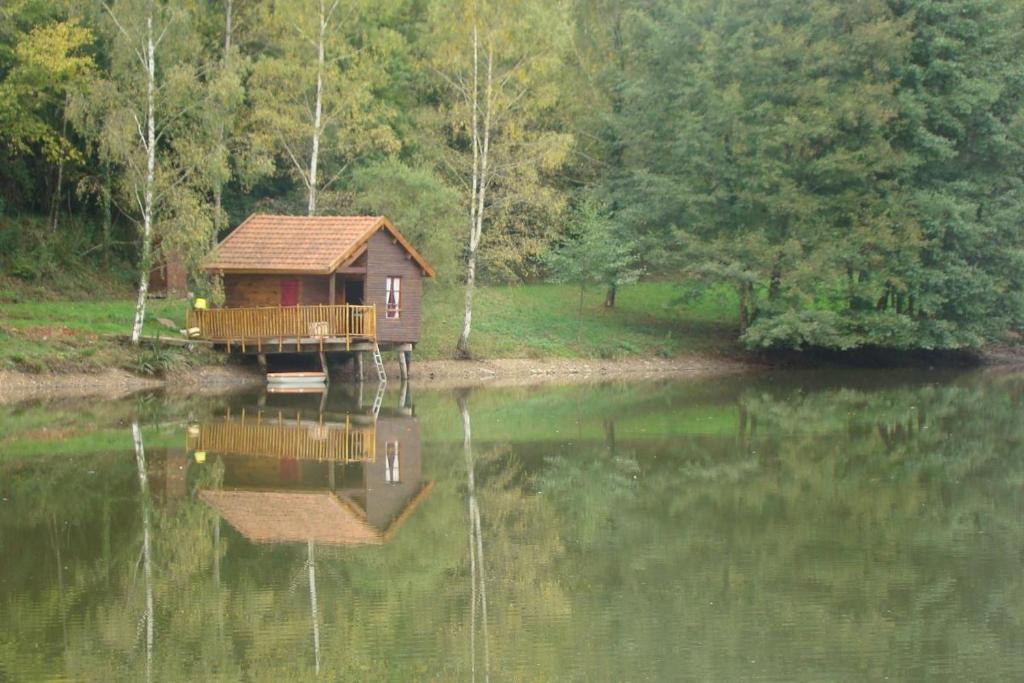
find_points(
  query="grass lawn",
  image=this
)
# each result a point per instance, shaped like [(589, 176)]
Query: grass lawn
[(68, 335), (537, 321), (533, 321)]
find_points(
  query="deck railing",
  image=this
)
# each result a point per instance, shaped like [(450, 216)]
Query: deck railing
[(286, 439), (258, 325)]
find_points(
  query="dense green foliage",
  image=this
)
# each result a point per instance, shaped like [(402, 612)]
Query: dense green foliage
[(853, 171)]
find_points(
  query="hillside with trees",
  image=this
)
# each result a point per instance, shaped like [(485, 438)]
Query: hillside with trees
[(841, 175)]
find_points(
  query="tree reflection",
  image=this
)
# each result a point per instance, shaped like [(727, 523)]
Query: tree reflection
[(841, 532), (478, 571)]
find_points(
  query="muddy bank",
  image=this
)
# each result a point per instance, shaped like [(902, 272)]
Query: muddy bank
[(114, 383), (20, 386), (517, 371)]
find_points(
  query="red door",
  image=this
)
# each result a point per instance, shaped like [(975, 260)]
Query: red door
[(289, 292)]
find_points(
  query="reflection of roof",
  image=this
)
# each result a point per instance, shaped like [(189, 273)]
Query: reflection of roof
[(300, 244), (281, 517), (275, 516)]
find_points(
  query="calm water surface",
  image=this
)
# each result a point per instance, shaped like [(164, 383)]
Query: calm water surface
[(819, 527)]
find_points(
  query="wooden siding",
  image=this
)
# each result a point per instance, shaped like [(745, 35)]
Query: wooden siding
[(314, 289), (385, 258), (389, 499), (249, 290)]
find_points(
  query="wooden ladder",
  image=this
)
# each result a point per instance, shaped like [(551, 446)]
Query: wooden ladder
[(379, 362), (379, 398)]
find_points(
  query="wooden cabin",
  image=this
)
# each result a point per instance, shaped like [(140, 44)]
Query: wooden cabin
[(306, 283), (335, 480)]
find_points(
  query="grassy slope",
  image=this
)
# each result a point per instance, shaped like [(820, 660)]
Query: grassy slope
[(540, 321), (517, 321)]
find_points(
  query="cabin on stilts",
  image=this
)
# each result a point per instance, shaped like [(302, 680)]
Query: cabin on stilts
[(294, 477), (315, 284)]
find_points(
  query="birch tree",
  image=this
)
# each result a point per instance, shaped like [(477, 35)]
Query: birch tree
[(144, 118), (227, 94), (315, 103), (498, 65), (142, 40)]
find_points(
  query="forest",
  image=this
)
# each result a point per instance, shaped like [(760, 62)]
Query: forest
[(844, 174)]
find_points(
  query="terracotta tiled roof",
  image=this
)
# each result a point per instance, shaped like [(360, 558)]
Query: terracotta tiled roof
[(277, 517), (314, 245)]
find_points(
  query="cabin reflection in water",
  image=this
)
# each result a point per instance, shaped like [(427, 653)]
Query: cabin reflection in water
[(300, 476)]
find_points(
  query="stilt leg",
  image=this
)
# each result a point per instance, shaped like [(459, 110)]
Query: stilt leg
[(403, 365)]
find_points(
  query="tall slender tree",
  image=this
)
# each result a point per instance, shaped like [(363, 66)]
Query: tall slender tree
[(498, 64), (314, 95), (145, 117)]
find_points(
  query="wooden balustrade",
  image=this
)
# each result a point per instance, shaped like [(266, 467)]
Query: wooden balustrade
[(286, 439), (258, 325)]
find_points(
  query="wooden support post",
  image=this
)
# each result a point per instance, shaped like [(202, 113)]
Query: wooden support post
[(403, 365), (330, 288), (359, 365), (323, 365), (262, 360)]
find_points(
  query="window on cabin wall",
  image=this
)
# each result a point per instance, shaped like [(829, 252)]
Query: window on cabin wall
[(391, 474), (393, 297)]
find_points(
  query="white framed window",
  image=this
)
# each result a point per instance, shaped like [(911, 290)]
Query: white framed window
[(391, 474), (393, 297)]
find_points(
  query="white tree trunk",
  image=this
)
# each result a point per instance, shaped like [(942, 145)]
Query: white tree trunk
[(311, 566), (476, 549), (228, 7), (314, 157), (147, 560), (147, 202), (478, 190)]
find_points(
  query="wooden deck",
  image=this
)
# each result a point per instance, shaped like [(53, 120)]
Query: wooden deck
[(285, 328), (289, 439)]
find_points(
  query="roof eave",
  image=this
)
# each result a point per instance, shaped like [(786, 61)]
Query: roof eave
[(265, 271)]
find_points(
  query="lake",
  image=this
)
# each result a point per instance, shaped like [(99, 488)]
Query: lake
[(819, 526)]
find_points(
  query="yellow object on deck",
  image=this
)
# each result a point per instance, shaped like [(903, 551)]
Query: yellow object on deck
[(199, 304), (200, 457)]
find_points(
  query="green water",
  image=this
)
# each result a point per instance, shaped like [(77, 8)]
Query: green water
[(803, 527)]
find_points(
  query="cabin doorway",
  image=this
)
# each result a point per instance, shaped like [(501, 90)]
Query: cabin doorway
[(289, 292), (354, 292)]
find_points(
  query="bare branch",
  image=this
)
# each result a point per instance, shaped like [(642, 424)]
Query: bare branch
[(169, 120), (164, 32), (138, 125), (298, 166), (337, 175), (458, 87), (121, 28), (303, 35), (102, 245), (327, 19)]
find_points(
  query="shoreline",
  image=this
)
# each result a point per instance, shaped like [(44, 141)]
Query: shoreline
[(17, 386)]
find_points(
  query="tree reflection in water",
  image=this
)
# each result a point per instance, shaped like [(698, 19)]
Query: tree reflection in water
[(854, 529)]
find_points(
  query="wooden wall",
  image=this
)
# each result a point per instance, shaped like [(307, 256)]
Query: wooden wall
[(242, 290), (384, 500), (314, 289), (386, 258)]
